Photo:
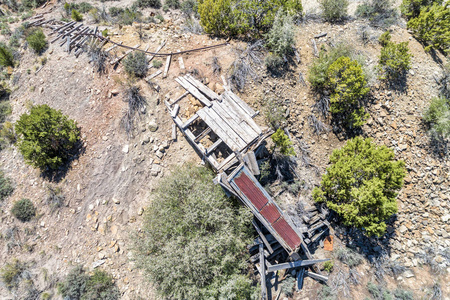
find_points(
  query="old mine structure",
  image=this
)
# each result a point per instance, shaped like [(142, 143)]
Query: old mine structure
[(225, 135)]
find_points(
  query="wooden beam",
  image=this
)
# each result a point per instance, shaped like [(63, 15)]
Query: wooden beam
[(202, 135), (190, 121), (201, 87), (166, 69), (295, 264), (262, 272), (174, 132), (149, 58), (300, 276), (263, 238), (153, 75), (193, 90), (214, 146), (316, 276), (181, 63), (179, 98), (112, 47), (175, 111)]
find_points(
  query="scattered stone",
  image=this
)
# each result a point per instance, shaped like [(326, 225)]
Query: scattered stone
[(408, 274), (97, 263), (116, 201), (125, 149), (159, 154), (114, 92), (152, 126)]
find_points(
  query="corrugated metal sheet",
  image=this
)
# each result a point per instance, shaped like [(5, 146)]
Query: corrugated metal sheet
[(287, 233), (267, 209), (251, 191), (270, 212)]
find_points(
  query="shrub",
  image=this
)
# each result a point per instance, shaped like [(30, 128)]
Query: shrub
[(46, 137), (6, 187), (76, 15), (347, 83), (136, 64), (361, 185), (148, 3), (328, 266), (394, 60), (74, 285), (6, 57), (274, 63), (175, 4), (5, 106), (281, 38), (411, 8), (101, 286), (349, 257), (431, 27), (37, 41), (7, 132), (379, 12), (11, 273), (385, 38), (283, 142), (202, 254), (157, 64), (233, 17), (317, 74), (189, 7), (379, 292), (401, 294), (23, 210), (116, 11), (32, 3), (334, 10), (438, 117)]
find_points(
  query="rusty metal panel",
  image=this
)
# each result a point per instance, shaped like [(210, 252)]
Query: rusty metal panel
[(270, 212), (287, 233), (251, 191)]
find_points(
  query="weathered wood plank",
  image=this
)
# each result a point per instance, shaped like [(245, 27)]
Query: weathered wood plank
[(150, 57), (244, 116), (230, 160), (174, 132), (202, 135), (193, 90), (166, 69), (295, 264), (214, 146), (190, 121), (245, 107), (175, 111), (64, 27), (179, 98), (153, 75), (250, 159), (112, 47), (229, 115), (201, 87), (181, 63), (316, 276), (263, 238), (262, 272), (224, 126)]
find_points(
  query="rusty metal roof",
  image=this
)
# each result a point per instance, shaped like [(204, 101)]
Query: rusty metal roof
[(267, 210)]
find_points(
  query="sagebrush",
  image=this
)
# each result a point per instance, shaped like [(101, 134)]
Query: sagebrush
[(334, 10), (24, 210), (136, 64)]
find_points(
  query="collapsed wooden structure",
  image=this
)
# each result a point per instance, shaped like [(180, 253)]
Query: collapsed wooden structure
[(233, 137)]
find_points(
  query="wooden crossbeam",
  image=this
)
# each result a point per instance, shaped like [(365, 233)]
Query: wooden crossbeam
[(316, 276), (295, 264), (113, 46), (150, 57), (263, 238), (166, 69), (153, 75)]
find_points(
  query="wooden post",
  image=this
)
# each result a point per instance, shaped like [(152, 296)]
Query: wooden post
[(68, 44), (263, 238), (174, 132), (300, 276), (262, 272)]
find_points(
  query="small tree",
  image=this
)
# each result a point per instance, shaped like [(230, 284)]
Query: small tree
[(411, 8), (46, 137), (283, 142), (394, 61), (193, 241), (77, 16), (37, 41), (6, 57), (136, 64), (334, 10), (361, 185), (432, 26), (348, 85), (23, 210), (74, 285)]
